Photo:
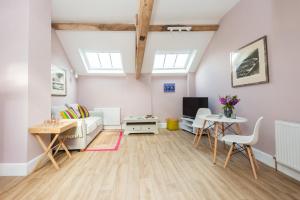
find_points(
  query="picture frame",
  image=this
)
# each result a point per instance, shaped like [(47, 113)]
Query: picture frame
[(58, 81), (249, 64), (169, 87)]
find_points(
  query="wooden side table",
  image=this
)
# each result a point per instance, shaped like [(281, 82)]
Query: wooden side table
[(55, 129)]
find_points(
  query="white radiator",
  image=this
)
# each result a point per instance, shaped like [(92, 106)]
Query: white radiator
[(111, 116), (287, 139)]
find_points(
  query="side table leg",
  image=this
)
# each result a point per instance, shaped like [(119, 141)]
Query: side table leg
[(64, 147), (47, 149)]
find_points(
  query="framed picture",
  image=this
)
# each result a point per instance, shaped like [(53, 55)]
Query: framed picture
[(169, 87), (249, 64), (58, 81)]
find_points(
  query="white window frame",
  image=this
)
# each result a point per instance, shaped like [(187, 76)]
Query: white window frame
[(100, 70), (184, 70)]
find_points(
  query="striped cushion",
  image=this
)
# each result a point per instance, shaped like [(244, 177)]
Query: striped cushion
[(74, 107), (72, 113), (68, 114), (83, 111)]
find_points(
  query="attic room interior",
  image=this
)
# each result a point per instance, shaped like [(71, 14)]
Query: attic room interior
[(149, 99)]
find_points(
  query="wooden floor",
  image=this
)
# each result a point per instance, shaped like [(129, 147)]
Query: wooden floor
[(163, 166)]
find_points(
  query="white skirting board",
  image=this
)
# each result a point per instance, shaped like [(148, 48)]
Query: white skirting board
[(118, 127), (162, 125), (19, 169)]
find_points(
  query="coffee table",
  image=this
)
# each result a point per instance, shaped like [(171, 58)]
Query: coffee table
[(141, 124)]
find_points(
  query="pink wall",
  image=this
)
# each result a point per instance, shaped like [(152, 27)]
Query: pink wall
[(24, 77), (13, 80), (39, 63), (135, 97), (59, 59), (167, 105), (278, 100)]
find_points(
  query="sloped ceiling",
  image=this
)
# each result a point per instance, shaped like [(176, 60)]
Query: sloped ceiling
[(124, 11)]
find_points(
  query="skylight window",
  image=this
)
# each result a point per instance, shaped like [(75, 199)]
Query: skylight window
[(173, 62), (102, 62)]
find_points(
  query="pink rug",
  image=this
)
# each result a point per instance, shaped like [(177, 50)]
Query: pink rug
[(115, 148)]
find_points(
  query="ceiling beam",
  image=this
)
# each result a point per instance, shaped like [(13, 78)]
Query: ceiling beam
[(128, 27), (142, 28), (93, 27)]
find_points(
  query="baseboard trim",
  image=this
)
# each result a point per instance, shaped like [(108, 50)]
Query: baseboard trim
[(115, 127), (288, 171), (263, 157), (19, 169), (32, 163), (162, 125)]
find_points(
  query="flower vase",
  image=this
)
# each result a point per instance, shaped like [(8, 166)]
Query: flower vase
[(228, 112)]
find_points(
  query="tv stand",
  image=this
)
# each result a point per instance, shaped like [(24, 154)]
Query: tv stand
[(187, 124)]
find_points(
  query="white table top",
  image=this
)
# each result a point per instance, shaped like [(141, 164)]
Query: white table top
[(218, 118), (140, 118)]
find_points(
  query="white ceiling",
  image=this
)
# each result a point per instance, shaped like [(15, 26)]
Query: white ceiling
[(106, 41), (175, 41), (124, 11)]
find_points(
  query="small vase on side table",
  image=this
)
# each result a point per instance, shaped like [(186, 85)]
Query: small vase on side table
[(228, 112)]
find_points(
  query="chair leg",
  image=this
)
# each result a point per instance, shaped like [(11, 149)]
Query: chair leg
[(196, 136), (199, 138), (255, 161), (251, 161), (229, 155), (208, 136)]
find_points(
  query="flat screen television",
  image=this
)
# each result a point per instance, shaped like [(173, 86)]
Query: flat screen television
[(192, 104)]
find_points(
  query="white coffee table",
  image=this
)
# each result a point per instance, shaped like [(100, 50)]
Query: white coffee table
[(141, 124)]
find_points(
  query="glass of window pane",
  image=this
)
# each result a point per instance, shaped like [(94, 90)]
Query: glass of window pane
[(181, 60), (105, 60), (116, 60), (159, 61), (93, 60), (170, 61)]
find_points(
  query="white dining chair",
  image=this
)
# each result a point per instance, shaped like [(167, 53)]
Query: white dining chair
[(246, 143), (198, 125)]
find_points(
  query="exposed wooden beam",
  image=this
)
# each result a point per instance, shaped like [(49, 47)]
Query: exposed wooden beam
[(195, 27), (142, 28), (128, 27), (93, 27)]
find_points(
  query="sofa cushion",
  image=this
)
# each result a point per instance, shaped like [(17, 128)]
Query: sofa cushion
[(83, 111), (74, 106), (68, 114)]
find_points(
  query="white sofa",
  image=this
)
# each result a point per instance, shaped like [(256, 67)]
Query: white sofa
[(87, 128)]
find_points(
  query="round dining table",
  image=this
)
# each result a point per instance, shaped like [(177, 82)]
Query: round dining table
[(220, 124)]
